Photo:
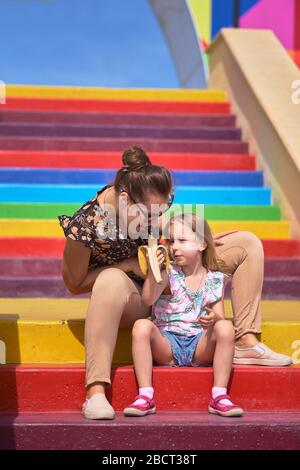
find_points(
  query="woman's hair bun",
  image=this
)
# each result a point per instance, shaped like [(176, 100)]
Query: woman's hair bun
[(135, 158)]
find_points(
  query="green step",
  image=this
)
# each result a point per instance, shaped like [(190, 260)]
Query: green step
[(52, 210)]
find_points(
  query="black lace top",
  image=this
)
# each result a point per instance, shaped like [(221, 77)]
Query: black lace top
[(83, 227)]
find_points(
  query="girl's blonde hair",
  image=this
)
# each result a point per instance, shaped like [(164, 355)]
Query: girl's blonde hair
[(203, 231)]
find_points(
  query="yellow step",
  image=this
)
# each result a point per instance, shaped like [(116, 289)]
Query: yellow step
[(52, 330), (75, 308), (94, 93), (51, 228)]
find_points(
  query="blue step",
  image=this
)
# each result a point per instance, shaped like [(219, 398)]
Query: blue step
[(83, 177), (183, 194)]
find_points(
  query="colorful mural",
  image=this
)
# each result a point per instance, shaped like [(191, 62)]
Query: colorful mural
[(281, 16)]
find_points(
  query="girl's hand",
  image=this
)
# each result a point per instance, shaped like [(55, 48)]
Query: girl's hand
[(207, 320), (161, 258), (217, 237)]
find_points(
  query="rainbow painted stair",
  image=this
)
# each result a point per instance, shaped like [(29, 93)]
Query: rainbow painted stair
[(57, 147)]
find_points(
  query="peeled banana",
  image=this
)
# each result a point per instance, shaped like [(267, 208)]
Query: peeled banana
[(151, 250)]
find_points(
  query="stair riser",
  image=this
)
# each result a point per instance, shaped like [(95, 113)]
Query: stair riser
[(28, 267), (63, 389), (62, 341), (101, 177), (121, 119), (113, 106), (119, 144), (46, 247), (183, 194), (40, 210), (288, 289), (87, 131), (96, 160)]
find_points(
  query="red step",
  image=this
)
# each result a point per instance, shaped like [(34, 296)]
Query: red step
[(282, 248), (104, 160), (42, 247), (174, 431), (120, 106), (51, 247), (61, 388)]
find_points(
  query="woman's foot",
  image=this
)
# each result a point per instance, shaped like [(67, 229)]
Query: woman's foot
[(144, 406), (228, 410), (98, 407), (249, 351), (260, 355)]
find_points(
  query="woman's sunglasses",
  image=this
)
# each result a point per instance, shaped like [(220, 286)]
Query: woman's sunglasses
[(169, 204)]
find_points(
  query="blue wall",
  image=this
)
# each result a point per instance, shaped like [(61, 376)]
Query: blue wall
[(113, 43), (223, 13)]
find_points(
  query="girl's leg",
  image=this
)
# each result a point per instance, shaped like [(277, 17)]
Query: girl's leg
[(220, 339), (115, 301), (223, 357), (148, 345), (217, 344)]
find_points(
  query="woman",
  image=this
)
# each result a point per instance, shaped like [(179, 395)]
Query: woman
[(104, 262)]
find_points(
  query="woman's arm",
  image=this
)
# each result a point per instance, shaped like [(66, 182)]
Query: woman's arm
[(76, 276)]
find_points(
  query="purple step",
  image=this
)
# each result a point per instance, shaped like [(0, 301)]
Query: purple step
[(274, 267), (96, 118), (119, 144), (124, 131), (52, 286), (281, 267), (163, 431)]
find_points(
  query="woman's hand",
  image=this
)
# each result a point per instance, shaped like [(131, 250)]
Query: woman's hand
[(209, 319), (217, 237)]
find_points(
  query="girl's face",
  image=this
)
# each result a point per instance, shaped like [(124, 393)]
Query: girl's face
[(184, 244)]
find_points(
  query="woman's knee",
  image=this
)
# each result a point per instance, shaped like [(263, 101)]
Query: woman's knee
[(111, 281), (142, 329), (251, 242), (223, 329)]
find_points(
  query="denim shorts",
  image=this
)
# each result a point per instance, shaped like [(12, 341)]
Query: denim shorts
[(183, 347)]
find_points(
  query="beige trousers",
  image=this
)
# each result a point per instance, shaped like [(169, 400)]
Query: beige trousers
[(116, 302)]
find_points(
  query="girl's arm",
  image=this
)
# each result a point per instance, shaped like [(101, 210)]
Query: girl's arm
[(151, 289), (215, 312), (218, 308)]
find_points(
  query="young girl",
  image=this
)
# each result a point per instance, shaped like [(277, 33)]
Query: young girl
[(188, 326)]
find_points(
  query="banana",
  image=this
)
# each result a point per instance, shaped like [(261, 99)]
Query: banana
[(151, 250)]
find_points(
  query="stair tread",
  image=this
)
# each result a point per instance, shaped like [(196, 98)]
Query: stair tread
[(173, 431)]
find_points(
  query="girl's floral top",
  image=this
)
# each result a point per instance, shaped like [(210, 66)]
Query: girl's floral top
[(180, 311)]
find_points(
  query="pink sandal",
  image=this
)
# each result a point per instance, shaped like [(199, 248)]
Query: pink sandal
[(216, 408), (143, 409)]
